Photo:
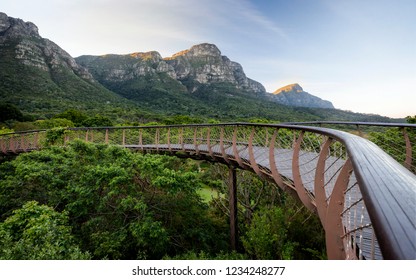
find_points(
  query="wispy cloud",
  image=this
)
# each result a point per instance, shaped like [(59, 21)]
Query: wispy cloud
[(247, 11)]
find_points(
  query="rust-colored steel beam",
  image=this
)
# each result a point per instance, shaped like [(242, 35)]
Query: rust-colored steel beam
[(253, 163), (36, 140), (235, 150), (224, 154), (23, 144), (141, 139), (3, 146), (319, 188), (300, 189), (334, 229), (273, 167), (195, 141), (210, 152), (181, 139), (157, 138), (12, 145), (168, 140)]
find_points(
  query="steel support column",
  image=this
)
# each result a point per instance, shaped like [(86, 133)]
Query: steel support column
[(232, 186)]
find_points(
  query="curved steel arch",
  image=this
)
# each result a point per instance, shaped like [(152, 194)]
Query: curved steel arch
[(363, 197)]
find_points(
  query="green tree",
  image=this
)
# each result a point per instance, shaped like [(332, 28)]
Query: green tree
[(75, 116), (10, 112), (38, 232), (267, 236), (120, 204), (411, 119), (97, 121), (52, 123)]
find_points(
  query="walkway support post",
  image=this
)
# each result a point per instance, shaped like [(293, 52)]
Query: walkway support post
[(232, 186)]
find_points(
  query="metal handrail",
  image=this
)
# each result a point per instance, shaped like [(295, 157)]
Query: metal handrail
[(355, 123)]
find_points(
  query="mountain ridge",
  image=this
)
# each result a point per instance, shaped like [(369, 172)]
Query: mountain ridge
[(42, 79), (294, 95)]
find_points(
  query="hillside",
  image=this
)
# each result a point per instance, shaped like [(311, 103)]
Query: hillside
[(42, 79), (294, 95), (201, 81)]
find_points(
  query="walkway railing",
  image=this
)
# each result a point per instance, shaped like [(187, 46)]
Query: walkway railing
[(397, 139), (366, 200)]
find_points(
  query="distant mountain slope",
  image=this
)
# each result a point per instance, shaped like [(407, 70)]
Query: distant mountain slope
[(198, 81), (293, 95), (175, 84), (204, 64), (42, 79), (38, 76)]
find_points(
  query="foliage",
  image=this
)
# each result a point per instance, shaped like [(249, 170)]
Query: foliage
[(119, 204), (38, 232), (10, 112), (75, 116), (411, 119), (181, 119), (192, 255), (53, 123), (96, 121), (4, 130), (272, 224), (55, 136), (267, 236)]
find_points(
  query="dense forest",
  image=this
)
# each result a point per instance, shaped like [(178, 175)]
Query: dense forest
[(87, 201)]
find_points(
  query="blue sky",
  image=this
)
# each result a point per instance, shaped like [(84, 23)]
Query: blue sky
[(359, 54)]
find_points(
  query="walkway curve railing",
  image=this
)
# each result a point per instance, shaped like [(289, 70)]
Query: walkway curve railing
[(363, 197), (402, 147)]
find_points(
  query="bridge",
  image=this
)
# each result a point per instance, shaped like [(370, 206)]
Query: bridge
[(364, 198)]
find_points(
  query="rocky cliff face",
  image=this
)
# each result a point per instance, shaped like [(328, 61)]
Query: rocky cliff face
[(200, 65), (36, 74), (205, 64), (293, 95), (121, 68), (33, 50)]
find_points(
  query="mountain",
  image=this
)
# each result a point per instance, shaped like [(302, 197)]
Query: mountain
[(200, 65), (293, 95), (204, 64), (198, 82), (41, 78), (182, 83)]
